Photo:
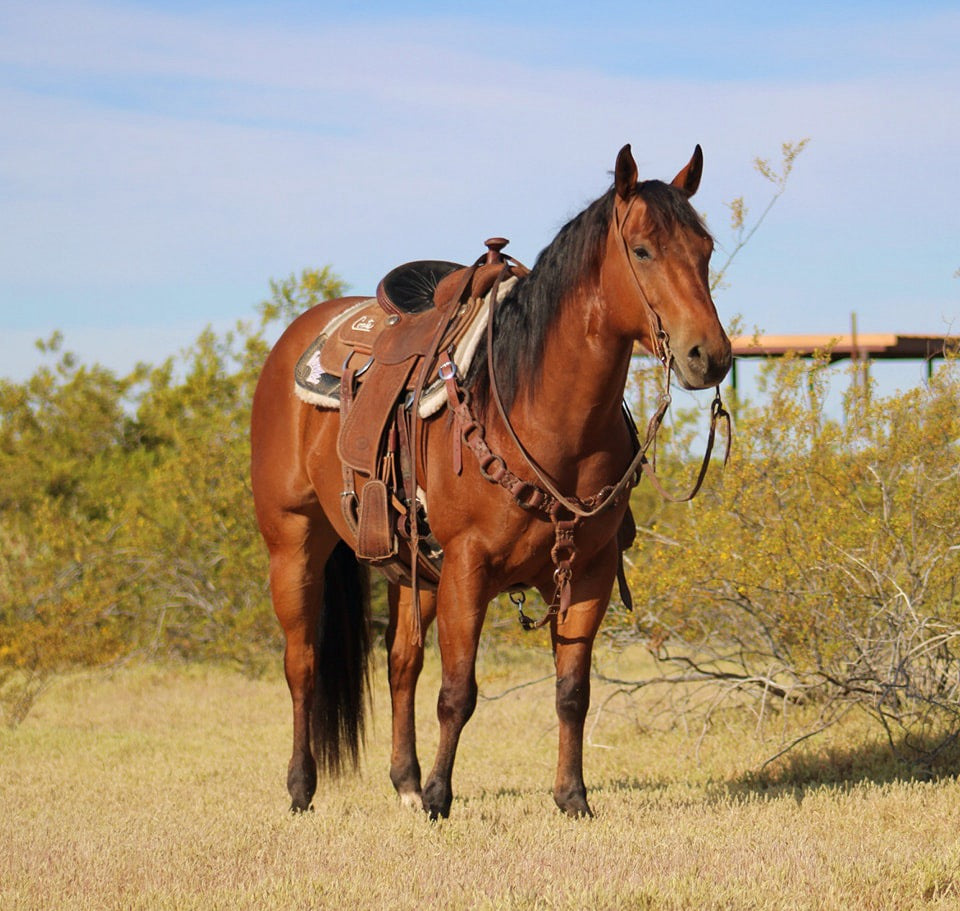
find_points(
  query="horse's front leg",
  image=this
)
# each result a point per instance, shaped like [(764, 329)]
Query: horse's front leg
[(461, 608), (405, 661), (573, 646)]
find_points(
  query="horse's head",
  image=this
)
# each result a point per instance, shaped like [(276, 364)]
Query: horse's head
[(657, 265)]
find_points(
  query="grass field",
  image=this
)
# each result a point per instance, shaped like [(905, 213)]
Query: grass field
[(163, 788)]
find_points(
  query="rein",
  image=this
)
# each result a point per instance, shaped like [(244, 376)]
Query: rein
[(547, 499), (661, 343), (544, 497)]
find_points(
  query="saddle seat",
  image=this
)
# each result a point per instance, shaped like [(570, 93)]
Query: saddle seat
[(410, 288)]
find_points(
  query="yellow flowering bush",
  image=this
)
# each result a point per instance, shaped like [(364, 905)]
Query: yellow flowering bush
[(822, 565), (126, 520)]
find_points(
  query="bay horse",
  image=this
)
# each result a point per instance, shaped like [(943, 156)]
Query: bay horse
[(633, 266)]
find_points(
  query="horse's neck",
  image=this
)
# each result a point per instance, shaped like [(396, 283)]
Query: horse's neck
[(576, 405)]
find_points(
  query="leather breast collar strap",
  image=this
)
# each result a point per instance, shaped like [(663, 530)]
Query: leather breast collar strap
[(549, 500)]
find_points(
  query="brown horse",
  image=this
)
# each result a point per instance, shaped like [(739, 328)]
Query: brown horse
[(632, 266)]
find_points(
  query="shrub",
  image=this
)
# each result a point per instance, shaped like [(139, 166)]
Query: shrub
[(822, 566), (126, 520)]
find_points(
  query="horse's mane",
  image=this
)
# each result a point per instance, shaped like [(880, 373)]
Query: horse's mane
[(524, 317)]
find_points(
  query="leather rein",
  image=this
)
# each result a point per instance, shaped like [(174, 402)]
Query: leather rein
[(547, 499), (661, 344)]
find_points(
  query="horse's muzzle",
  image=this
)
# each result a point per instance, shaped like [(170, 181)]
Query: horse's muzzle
[(704, 364)]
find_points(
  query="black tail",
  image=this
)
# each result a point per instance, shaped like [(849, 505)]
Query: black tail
[(341, 679)]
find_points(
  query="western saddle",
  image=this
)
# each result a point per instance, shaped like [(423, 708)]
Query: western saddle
[(375, 362)]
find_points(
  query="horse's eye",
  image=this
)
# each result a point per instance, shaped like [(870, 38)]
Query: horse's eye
[(641, 253)]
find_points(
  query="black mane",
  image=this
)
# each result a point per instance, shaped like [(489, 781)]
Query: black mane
[(524, 317)]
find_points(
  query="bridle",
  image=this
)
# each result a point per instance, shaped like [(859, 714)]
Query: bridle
[(660, 341), (547, 499)]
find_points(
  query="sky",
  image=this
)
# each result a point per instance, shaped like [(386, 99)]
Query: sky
[(161, 162)]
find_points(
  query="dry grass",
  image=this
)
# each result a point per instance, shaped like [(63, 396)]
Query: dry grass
[(164, 788)]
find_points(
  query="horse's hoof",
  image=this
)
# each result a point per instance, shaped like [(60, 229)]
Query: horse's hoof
[(300, 802), (437, 805), (574, 805), (301, 786), (412, 799), (438, 811), (296, 808), (580, 812)]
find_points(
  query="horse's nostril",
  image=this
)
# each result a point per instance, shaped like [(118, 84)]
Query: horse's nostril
[(695, 354)]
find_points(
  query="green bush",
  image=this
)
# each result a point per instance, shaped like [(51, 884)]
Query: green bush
[(822, 566), (126, 521)]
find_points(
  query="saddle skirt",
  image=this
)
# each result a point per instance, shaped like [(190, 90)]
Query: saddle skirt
[(365, 333)]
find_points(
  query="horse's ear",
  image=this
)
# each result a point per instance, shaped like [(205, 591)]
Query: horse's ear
[(625, 175), (688, 179)]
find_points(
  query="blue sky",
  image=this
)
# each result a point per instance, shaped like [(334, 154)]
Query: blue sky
[(160, 162)]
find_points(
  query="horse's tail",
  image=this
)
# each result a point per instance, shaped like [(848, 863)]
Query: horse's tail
[(341, 677)]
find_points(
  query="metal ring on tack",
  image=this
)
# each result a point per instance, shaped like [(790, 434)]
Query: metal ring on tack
[(447, 371), (493, 460), (362, 370)]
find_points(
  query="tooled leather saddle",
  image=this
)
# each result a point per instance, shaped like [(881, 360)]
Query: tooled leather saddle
[(382, 363)]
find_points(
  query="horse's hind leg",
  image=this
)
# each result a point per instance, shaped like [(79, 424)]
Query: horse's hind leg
[(405, 661), (297, 560)]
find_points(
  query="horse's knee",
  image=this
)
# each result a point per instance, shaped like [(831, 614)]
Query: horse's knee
[(573, 698), (457, 702)]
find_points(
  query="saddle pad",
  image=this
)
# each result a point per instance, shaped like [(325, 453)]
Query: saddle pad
[(312, 383), (315, 385)]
